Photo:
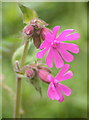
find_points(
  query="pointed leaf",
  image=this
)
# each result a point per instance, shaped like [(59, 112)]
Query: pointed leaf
[(36, 84), (31, 55), (28, 13)]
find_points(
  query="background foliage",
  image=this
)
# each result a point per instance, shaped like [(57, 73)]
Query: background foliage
[(67, 15)]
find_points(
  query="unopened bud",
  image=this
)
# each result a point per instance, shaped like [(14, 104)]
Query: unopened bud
[(43, 75), (38, 23), (33, 22), (30, 73), (28, 30), (44, 32), (45, 68), (36, 40)]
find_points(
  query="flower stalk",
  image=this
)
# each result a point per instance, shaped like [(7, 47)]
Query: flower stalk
[(19, 82)]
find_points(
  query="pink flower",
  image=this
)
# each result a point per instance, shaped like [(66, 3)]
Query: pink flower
[(57, 50), (56, 89)]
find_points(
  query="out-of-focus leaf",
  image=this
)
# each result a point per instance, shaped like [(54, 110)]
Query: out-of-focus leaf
[(17, 55), (31, 55), (28, 13)]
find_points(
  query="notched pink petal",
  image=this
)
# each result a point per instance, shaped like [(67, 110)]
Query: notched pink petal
[(58, 89), (57, 59), (66, 90), (41, 53), (73, 36), (55, 30), (52, 94), (64, 34), (71, 47), (49, 58), (67, 75), (61, 99), (44, 44), (68, 57), (62, 72), (50, 78), (49, 37)]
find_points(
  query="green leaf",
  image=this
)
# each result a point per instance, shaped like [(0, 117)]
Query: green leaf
[(17, 55), (28, 13), (36, 84), (31, 55)]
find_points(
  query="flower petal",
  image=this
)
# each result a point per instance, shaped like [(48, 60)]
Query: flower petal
[(52, 94), (67, 76), (49, 37), (66, 90), (68, 57), (57, 59), (41, 53), (55, 30), (61, 98), (62, 72), (50, 78), (64, 34), (44, 44), (49, 58), (71, 47), (73, 36), (58, 90)]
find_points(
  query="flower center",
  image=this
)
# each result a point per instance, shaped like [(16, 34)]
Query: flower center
[(54, 43)]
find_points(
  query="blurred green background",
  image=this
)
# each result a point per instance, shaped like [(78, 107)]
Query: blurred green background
[(67, 15)]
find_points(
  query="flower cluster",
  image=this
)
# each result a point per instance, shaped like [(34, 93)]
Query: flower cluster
[(58, 52), (36, 30)]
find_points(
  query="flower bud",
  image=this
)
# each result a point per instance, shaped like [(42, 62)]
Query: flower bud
[(36, 40), (28, 30), (30, 73), (45, 68), (43, 32), (33, 22), (38, 23), (43, 75)]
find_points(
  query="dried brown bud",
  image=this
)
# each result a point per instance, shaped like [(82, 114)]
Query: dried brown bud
[(36, 40)]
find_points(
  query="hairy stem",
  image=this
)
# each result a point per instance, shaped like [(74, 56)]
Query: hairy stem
[(19, 82)]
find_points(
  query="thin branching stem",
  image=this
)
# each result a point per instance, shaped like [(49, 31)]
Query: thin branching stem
[(19, 82)]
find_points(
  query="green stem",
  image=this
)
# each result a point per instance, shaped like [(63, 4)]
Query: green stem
[(18, 97), (24, 54), (19, 82)]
